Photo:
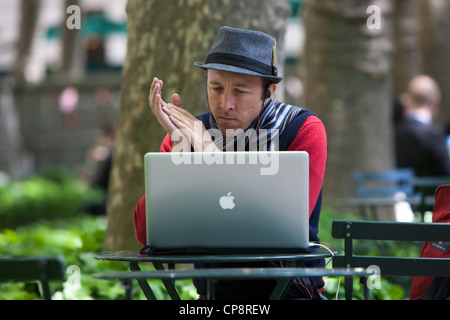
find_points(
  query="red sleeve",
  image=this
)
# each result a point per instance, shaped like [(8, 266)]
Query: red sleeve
[(139, 222), (139, 211), (166, 145), (312, 138)]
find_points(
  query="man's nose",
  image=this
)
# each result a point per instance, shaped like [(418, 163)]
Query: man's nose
[(228, 102)]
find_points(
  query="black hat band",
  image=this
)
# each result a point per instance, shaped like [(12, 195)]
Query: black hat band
[(241, 62)]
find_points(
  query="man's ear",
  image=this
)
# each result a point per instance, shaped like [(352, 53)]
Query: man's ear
[(271, 88)]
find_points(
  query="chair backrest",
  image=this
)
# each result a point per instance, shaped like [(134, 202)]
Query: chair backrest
[(396, 231), (24, 268), (384, 183)]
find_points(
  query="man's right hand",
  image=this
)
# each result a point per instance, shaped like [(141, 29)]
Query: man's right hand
[(156, 104), (173, 118)]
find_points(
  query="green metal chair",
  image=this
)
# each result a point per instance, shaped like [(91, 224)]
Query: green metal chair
[(26, 268), (390, 265)]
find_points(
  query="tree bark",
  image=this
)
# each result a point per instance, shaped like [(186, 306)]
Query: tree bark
[(72, 48), (13, 90), (347, 81), (407, 53), (29, 12), (165, 38), (434, 35)]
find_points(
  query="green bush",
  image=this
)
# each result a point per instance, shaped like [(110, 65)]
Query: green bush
[(43, 216), (77, 240), (56, 194)]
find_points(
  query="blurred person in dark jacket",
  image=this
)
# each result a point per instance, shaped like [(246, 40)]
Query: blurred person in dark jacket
[(102, 154), (419, 143)]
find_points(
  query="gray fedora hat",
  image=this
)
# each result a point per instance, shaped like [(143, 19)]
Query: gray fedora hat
[(244, 52)]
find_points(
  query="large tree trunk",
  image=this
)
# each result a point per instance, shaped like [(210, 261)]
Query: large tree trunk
[(13, 91), (347, 81), (434, 37), (165, 38), (29, 12), (407, 54), (72, 57)]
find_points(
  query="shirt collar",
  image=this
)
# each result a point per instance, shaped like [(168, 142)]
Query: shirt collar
[(421, 115)]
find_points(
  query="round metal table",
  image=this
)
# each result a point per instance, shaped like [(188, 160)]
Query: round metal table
[(284, 275)]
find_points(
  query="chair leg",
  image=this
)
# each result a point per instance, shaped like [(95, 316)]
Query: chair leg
[(45, 286)]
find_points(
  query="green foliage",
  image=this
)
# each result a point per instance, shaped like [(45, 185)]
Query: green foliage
[(76, 239), (43, 216), (55, 194)]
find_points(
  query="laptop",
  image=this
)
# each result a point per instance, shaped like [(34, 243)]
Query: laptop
[(235, 201)]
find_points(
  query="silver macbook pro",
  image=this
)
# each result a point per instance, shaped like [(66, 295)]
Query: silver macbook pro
[(227, 200)]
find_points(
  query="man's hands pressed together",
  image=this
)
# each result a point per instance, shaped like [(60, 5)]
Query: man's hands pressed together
[(185, 130)]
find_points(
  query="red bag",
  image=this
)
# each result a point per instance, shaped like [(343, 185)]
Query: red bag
[(441, 213)]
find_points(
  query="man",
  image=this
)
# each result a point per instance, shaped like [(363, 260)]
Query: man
[(241, 78), (420, 144)]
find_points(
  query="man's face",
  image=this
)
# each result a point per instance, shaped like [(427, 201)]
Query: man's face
[(235, 100)]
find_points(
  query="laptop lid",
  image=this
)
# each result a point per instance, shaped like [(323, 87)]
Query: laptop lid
[(229, 200)]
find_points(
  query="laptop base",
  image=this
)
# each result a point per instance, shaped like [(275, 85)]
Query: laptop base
[(149, 250)]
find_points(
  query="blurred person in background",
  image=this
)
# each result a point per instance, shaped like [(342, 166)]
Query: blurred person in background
[(419, 143), (102, 154)]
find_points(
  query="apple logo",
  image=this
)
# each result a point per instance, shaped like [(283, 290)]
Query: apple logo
[(227, 202)]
